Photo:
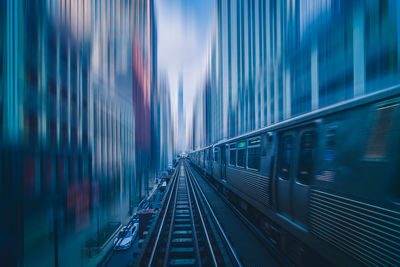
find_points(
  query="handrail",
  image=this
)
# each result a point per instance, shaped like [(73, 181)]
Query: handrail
[(164, 215)]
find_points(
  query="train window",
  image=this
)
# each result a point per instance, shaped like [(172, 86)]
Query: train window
[(216, 154), (253, 154), (264, 145), (223, 156), (241, 154), (241, 157), (330, 137), (285, 156), (376, 147), (306, 157), (232, 154)]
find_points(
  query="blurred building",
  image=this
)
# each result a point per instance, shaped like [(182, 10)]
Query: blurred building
[(71, 118), (181, 144), (273, 60), (202, 117), (165, 130), (145, 96)]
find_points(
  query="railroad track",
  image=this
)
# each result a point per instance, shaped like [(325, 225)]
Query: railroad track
[(188, 233), (267, 243)]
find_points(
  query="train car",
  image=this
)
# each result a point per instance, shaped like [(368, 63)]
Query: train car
[(198, 158), (216, 162), (209, 160), (325, 183)]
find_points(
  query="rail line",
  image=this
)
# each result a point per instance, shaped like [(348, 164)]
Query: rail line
[(228, 246), (188, 234), (278, 255)]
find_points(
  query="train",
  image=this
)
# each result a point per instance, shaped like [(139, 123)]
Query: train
[(323, 186)]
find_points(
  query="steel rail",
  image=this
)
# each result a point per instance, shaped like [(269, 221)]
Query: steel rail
[(225, 238), (173, 187), (201, 219), (196, 244), (171, 225), (257, 233)]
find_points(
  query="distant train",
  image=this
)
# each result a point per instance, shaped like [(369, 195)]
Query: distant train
[(325, 183)]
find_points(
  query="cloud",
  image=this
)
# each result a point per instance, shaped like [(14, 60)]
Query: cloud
[(183, 38)]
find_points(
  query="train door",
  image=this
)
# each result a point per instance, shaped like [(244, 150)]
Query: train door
[(223, 161), (283, 174), (208, 161), (212, 159), (302, 175), (296, 158), (205, 159)]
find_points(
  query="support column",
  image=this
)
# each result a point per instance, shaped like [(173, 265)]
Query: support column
[(358, 51), (287, 96), (314, 77)]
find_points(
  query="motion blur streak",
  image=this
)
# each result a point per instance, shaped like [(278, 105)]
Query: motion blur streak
[(87, 114), (80, 132), (298, 119), (273, 60)]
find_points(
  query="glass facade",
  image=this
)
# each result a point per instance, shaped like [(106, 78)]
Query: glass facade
[(69, 117), (273, 60)]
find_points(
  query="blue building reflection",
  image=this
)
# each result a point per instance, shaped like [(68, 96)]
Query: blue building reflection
[(273, 60), (68, 99)]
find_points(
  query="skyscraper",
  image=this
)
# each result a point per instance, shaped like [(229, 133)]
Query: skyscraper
[(70, 73), (273, 60), (181, 119), (180, 100), (145, 92)]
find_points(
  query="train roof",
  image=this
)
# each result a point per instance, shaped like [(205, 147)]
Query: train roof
[(344, 105), (200, 149)]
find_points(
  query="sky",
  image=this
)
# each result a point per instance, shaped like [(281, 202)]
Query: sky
[(184, 31)]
